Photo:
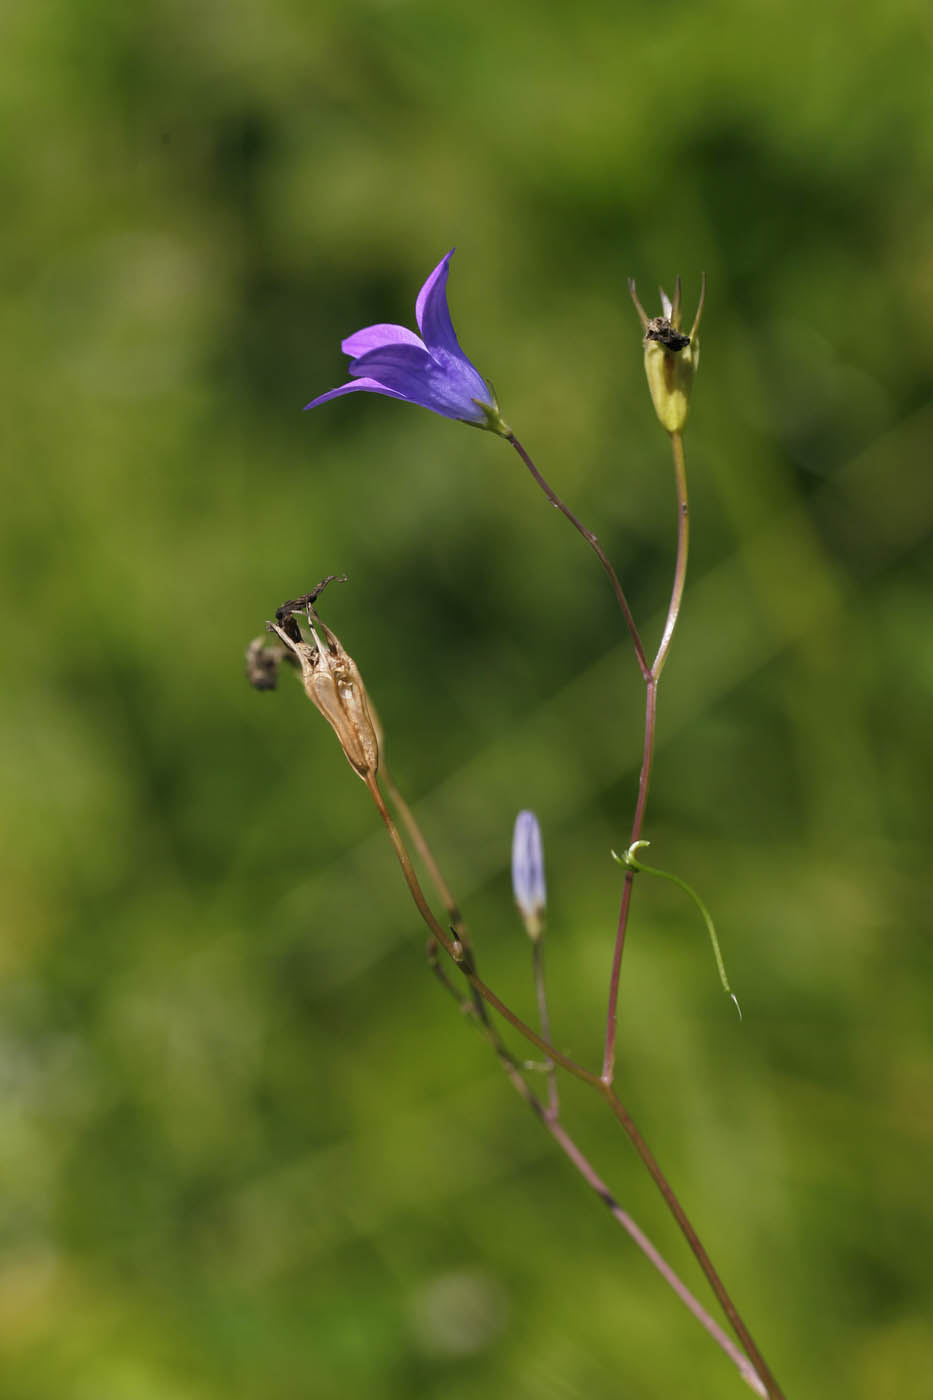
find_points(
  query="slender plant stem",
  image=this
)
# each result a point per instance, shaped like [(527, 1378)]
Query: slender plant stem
[(589, 1174), (647, 758), (683, 545), (650, 675), (544, 1021), (550, 1119), (597, 549), (644, 777), (458, 952), (745, 1366), (424, 851), (455, 949), (457, 924), (641, 1147), (454, 917)]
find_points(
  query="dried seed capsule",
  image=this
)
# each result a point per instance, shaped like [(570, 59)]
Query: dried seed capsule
[(333, 683)]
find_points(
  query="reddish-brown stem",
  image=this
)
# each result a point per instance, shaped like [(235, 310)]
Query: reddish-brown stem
[(550, 1122), (644, 778), (641, 1147), (748, 1368), (597, 549), (457, 951), (424, 852), (544, 1021), (647, 757)]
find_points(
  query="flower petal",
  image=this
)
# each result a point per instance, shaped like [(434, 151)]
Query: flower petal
[(448, 387), (433, 372), (372, 385), (373, 337), (463, 380), (432, 312)]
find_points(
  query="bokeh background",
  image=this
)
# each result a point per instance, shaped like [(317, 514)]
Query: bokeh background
[(247, 1147)]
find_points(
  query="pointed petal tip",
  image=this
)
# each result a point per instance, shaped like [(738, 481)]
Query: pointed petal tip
[(433, 314), (675, 310), (642, 314), (371, 386), (702, 302)]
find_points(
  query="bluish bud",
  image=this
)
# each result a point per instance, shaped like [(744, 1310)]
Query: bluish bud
[(528, 872)]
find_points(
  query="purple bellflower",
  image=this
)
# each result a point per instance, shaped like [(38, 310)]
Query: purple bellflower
[(430, 370)]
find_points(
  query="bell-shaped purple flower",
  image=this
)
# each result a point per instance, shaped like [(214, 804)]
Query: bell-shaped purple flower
[(430, 370)]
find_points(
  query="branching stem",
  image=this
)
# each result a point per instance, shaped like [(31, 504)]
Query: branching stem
[(457, 950), (595, 546), (550, 1117), (647, 757)]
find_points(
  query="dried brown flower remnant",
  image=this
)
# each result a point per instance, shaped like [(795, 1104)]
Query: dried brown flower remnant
[(333, 683), (262, 663)]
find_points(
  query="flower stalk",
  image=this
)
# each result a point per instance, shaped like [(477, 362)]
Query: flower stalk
[(550, 1118), (329, 659), (432, 371), (595, 546), (647, 756), (530, 896)]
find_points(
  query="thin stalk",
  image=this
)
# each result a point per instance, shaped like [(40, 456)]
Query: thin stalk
[(424, 851), (644, 778), (597, 549), (683, 545), (544, 1021), (599, 1187), (745, 1366), (641, 1147), (458, 954), (420, 844), (454, 917)]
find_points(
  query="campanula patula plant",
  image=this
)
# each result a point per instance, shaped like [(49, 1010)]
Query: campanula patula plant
[(432, 371)]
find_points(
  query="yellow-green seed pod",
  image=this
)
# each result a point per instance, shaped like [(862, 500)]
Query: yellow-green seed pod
[(670, 379), (671, 358)]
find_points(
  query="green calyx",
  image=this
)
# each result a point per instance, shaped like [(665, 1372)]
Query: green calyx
[(493, 422)]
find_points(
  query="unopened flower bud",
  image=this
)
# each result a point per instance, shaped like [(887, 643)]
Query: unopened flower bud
[(671, 358), (528, 872), (332, 681)]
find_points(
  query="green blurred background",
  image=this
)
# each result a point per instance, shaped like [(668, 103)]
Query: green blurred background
[(248, 1147)]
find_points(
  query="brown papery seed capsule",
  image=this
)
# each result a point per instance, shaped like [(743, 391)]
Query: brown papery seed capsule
[(333, 683)]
